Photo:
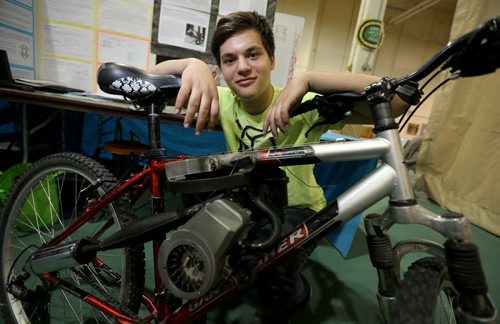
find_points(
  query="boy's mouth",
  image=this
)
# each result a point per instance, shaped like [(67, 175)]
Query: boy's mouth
[(245, 81)]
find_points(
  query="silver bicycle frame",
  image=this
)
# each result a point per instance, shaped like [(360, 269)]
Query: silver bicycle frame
[(390, 178)]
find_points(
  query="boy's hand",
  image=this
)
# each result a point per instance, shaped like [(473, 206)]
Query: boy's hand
[(278, 117), (198, 93)]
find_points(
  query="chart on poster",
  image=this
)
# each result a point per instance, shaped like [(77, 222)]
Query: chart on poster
[(17, 30), (65, 41)]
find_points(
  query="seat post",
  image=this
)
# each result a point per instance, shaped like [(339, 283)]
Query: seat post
[(153, 111)]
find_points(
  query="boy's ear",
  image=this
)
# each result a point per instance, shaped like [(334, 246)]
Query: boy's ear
[(273, 62)]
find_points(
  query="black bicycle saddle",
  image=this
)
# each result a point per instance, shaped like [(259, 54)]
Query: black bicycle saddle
[(134, 83)]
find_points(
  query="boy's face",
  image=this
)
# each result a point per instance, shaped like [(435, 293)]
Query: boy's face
[(245, 65)]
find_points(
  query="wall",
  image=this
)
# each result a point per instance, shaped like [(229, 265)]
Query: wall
[(408, 45), (328, 33), (309, 10)]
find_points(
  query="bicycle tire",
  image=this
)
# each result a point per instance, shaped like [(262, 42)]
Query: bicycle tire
[(53, 186), (426, 295)]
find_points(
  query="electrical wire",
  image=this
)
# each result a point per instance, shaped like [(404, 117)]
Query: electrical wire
[(17, 259), (423, 100), (421, 89), (431, 78)]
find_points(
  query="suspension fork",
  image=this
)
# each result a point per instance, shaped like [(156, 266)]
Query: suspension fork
[(381, 255), (460, 254), (466, 274)]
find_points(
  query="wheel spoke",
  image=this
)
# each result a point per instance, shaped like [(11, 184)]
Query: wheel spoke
[(68, 302)]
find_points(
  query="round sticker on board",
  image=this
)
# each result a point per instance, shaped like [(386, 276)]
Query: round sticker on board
[(371, 34)]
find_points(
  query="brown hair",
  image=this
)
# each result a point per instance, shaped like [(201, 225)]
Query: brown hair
[(237, 22)]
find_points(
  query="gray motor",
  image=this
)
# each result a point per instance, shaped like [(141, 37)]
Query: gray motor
[(192, 260)]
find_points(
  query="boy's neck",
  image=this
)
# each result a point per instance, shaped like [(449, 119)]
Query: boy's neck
[(259, 105)]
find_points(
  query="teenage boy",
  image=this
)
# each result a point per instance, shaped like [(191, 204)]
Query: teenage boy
[(254, 114)]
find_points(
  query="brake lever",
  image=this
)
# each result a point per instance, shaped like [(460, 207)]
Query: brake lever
[(409, 93), (332, 108)]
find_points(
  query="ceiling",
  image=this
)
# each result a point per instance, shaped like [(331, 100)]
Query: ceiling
[(403, 5), (409, 8)]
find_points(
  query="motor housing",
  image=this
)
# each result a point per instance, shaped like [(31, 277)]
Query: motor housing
[(192, 259)]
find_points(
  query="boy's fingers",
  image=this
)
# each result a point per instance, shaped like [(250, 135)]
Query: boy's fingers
[(192, 109), (203, 116), (281, 127), (265, 126), (181, 99), (274, 130), (214, 114), (267, 123)]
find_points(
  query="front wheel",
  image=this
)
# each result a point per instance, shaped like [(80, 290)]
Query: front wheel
[(45, 200), (426, 295)]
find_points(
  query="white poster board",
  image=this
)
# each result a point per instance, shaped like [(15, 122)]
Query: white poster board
[(228, 6), (17, 37), (287, 33), (183, 27), (65, 41)]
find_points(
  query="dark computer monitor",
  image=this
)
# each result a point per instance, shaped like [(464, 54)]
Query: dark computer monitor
[(5, 73), (6, 79)]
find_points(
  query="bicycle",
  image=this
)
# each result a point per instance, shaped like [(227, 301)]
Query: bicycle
[(67, 226)]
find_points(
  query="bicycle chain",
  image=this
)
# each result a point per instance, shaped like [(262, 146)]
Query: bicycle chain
[(112, 301)]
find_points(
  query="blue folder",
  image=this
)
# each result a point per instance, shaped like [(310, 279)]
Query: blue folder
[(335, 178)]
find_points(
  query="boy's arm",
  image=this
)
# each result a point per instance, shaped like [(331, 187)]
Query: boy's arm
[(324, 83), (198, 92)]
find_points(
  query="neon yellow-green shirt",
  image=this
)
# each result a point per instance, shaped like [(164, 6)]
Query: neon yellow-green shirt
[(243, 131)]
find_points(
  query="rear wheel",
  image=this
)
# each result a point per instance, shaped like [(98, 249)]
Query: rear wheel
[(426, 295), (45, 200)]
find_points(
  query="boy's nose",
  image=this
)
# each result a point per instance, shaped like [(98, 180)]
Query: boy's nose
[(243, 65)]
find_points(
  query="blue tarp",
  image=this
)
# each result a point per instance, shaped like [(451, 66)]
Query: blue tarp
[(177, 140), (335, 178)]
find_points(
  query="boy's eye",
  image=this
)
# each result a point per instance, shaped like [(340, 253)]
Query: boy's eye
[(228, 60)]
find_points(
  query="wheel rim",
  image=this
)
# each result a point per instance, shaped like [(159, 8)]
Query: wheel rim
[(37, 215), (446, 304)]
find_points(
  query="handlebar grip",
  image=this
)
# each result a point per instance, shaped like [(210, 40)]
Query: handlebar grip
[(303, 108), (325, 104)]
